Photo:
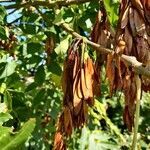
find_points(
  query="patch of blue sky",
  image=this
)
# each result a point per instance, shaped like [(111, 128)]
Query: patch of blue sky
[(13, 16)]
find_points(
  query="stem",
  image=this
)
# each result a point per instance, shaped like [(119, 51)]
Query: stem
[(130, 60), (137, 112), (82, 53)]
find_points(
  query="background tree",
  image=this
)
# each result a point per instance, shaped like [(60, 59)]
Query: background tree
[(34, 38)]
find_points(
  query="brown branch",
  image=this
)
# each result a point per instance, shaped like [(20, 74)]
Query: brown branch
[(130, 60), (94, 45), (48, 4)]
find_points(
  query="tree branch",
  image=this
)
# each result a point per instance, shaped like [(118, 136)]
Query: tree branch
[(48, 4), (130, 60), (94, 45)]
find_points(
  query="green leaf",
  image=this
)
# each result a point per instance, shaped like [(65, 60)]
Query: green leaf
[(3, 33), (112, 11), (4, 130), (2, 88), (9, 69), (101, 113), (33, 47), (2, 13), (99, 140), (4, 117), (35, 59), (31, 86), (40, 96), (63, 45), (54, 68), (29, 28), (2, 67), (56, 79), (59, 17), (40, 75), (33, 18), (12, 141), (84, 138), (8, 100), (3, 107)]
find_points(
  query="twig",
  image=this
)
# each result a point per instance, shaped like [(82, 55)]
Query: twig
[(94, 45), (130, 60), (137, 112), (48, 4)]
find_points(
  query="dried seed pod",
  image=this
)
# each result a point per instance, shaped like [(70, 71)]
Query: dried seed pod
[(67, 121), (132, 29), (59, 142), (110, 72), (78, 86), (102, 35)]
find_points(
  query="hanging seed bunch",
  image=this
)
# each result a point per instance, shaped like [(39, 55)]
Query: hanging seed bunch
[(78, 83), (132, 38), (102, 35)]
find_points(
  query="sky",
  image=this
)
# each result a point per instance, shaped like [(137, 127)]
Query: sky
[(12, 16)]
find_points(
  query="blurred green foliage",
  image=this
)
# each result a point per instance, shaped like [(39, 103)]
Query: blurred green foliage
[(30, 83)]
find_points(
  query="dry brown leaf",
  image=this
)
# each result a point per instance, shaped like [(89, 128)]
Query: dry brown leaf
[(131, 19), (129, 41), (125, 18), (68, 126), (77, 103), (110, 72), (89, 71), (118, 68), (90, 101), (103, 37), (137, 4), (142, 49), (128, 120), (139, 24), (77, 85), (148, 40), (129, 89), (97, 84), (132, 98), (147, 10), (85, 112), (83, 85), (95, 34), (76, 67), (81, 119), (59, 142), (134, 29), (77, 94)]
